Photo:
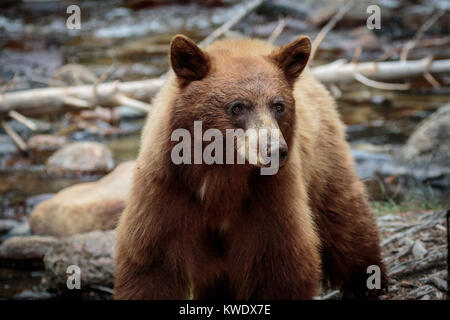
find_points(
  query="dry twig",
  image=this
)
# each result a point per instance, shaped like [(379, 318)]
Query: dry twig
[(328, 27), (278, 30), (216, 34), (23, 120), (18, 141), (419, 34)]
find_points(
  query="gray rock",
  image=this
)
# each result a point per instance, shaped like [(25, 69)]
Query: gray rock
[(425, 157), (368, 164), (407, 242), (86, 206), (427, 152), (430, 141), (25, 249), (81, 157), (419, 250), (92, 252), (46, 142)]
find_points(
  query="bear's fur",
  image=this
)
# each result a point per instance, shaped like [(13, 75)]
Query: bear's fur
[(225, 231)]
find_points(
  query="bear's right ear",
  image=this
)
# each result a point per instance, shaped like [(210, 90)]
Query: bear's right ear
[(187, 60)]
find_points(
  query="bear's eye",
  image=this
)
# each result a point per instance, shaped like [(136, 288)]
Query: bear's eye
[(279, 107), (237, 108)]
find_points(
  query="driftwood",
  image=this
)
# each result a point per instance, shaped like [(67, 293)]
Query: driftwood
[(416, 255), (61, 99), (400, 234), (340, 71), (435, 259)]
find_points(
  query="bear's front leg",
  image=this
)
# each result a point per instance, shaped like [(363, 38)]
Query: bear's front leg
[(288, 275), (278, 258), (149, 259), (157, 279), (350, 241)]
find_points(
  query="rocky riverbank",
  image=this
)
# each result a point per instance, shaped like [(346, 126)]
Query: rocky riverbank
[(414, 249)]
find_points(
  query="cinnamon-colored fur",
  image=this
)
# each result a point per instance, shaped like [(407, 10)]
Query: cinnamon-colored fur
[(225, 231)]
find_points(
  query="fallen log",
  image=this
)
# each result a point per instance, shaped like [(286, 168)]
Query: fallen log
[(341, 71), (36, 102), (52, 100)]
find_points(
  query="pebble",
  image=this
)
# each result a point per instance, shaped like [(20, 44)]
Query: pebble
[(419, 250)]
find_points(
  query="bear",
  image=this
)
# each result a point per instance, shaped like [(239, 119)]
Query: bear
[(226, 231)]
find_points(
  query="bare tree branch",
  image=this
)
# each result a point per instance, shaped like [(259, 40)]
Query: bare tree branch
[(328, 27)]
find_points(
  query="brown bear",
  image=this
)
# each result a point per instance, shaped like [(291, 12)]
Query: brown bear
[(220, 230)]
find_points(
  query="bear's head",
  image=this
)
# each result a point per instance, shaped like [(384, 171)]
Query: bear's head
[(247, 87)]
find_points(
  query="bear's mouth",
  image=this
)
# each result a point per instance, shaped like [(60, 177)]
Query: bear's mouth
[(276, 160), (267, 162)]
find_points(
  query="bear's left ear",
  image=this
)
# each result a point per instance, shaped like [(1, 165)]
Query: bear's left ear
[(187, 60), (292, 58)]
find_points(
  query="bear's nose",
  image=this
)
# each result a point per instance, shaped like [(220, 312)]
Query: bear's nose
[(281, 150), (283, 153)]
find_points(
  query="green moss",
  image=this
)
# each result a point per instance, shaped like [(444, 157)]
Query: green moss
[(419, 199)]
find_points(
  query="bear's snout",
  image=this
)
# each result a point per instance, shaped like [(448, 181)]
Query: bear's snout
[(278, 150)]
